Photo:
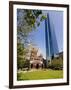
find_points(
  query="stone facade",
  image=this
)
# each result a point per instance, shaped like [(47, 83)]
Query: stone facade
[(36, 61)]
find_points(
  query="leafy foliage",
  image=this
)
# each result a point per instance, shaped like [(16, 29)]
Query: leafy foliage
[(27, 20), (56, 64), (21, 55)]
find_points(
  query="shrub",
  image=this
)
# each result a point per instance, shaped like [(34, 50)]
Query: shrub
[(26, 64), (56, 64)]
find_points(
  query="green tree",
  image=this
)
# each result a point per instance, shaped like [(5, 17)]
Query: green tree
[(26, 21), (56, 63), (21, 52)]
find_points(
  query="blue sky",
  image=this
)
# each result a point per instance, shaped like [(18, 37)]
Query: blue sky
[(56, 28), (38, 38)]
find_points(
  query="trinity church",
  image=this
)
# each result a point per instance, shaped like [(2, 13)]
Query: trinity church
[(36, 61)]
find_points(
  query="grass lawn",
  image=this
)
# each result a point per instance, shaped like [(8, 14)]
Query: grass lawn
[(40, 74)]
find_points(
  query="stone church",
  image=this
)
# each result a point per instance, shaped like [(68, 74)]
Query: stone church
[(36, 61)]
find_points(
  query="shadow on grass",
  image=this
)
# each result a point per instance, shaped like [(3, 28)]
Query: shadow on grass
[(20, 76)]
